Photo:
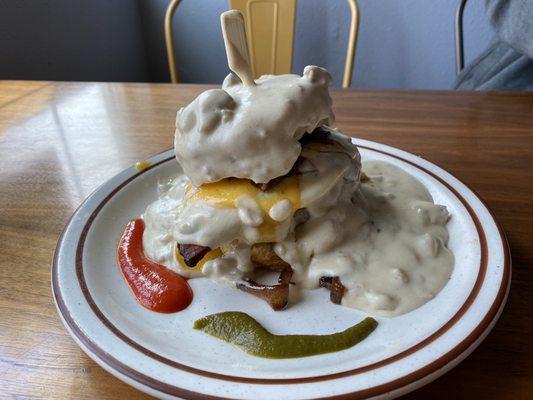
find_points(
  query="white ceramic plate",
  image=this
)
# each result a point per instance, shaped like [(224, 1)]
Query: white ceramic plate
[(162, 355)]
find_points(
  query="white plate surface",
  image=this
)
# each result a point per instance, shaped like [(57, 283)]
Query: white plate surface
[(162, 355)]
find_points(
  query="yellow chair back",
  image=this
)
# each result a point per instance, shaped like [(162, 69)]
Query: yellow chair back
[(270, 31)]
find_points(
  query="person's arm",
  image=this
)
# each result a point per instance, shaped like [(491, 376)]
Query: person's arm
[(513, 22)]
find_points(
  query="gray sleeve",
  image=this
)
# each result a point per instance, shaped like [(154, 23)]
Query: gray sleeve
[(513, 22)]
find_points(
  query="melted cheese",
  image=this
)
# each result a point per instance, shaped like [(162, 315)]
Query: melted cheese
[(225, 193)]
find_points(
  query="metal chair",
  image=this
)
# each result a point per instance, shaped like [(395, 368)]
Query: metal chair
[(459, 41), (270, 30)]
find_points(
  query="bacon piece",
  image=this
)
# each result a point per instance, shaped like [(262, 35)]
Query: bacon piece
[(192, 253), (335, 287), (275, 295)]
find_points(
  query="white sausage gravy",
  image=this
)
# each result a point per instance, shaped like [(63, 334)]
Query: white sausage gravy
[(370, 224)]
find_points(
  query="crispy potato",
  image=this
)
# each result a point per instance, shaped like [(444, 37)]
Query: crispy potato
[(275, 295), (263, 255)]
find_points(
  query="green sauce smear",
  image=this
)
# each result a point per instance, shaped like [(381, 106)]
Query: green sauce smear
[(250, 336)]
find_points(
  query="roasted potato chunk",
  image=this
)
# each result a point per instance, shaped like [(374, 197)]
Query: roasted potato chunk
[(263, 255), (275, 295)]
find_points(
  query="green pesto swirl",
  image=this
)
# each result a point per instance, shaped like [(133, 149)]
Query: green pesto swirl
[(241, 330)]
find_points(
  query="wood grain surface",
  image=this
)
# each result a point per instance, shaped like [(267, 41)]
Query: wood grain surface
[(59, 141)]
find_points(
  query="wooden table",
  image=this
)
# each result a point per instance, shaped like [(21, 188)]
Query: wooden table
[(59, 141)]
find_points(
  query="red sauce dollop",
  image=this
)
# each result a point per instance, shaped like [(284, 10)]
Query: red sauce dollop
[(155, 286)]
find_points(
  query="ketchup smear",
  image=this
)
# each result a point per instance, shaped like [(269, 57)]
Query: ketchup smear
[(155, 286)]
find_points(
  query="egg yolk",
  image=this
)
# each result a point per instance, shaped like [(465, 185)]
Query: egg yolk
[(224, 193)]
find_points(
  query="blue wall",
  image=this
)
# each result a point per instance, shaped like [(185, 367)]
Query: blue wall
[(97, 40), (402, 43)]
